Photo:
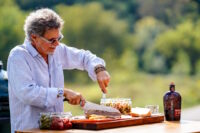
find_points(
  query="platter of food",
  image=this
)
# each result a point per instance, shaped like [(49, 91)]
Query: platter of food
[(127, 120), (111, 113), (136, 116)]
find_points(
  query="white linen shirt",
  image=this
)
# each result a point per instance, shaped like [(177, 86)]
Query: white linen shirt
[(33, 84)]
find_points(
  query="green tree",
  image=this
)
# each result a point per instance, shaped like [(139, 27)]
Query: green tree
[(181, 65), (169, 12), (90, 27), (128, 61), (33, 4), (127, 10), (124, 9), (184, 37), (146, 31), (154, 62), (197, 68), (11, 28)]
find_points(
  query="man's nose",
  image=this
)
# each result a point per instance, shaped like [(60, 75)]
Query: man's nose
[(56, 43)]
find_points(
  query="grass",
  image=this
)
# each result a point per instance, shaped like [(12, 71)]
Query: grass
[(143, 89)]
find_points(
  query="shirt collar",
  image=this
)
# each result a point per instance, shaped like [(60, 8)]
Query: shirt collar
[(30, 48)]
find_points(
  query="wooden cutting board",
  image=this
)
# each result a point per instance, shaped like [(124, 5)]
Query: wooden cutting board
[(105, 124)]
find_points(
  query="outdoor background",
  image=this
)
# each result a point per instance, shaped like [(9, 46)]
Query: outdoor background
[(146, 45)]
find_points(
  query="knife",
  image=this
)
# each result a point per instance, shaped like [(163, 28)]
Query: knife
[(92, 108)]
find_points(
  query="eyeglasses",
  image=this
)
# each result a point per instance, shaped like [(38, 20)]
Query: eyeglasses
[(53, 40)]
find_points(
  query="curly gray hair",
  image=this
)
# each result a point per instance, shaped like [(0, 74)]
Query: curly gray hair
[(39, 21)]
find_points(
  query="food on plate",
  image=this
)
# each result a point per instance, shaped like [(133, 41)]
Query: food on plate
[(96, 117), (91, 118), (144, 112), (122, 104)]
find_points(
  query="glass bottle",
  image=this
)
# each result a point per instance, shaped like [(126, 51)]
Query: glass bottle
[(172, 104)]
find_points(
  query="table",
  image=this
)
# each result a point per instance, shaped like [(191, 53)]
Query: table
[(166, 126)]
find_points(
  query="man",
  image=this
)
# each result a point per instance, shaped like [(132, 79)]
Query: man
[(35, 70)]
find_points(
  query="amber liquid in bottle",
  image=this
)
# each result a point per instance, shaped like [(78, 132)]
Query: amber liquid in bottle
[(172, 104)]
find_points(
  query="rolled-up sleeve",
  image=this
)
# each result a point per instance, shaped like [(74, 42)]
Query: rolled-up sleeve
[(74, 58), (25, 88)]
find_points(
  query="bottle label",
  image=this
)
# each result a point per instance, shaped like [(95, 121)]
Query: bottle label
[(177, 112)]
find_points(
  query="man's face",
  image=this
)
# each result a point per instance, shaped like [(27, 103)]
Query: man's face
[(47, 43)]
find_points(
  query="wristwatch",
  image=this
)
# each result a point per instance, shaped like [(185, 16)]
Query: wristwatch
[(60, 92), (99, 68)]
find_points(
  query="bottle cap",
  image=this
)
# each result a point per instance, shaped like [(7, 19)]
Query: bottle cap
[(172, 83), (172, 86)]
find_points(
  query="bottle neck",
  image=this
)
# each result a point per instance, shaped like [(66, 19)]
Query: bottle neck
[(172, 88)]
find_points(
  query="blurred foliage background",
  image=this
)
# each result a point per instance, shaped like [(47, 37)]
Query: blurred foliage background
[(146, 44)]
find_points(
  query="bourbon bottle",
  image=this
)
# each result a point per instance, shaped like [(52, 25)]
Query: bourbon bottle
[(172, 104)]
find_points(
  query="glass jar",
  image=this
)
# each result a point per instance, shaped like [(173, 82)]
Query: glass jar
[(153, 108), (45, 121), (55, 120), (122, 104)]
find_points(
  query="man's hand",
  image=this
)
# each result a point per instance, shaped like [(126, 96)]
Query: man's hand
[(103, 79), (74, 98)]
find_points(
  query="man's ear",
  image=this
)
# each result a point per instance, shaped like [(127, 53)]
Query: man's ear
[(33, 38)]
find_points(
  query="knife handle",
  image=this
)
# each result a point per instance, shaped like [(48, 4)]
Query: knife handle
[(65, 99)]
